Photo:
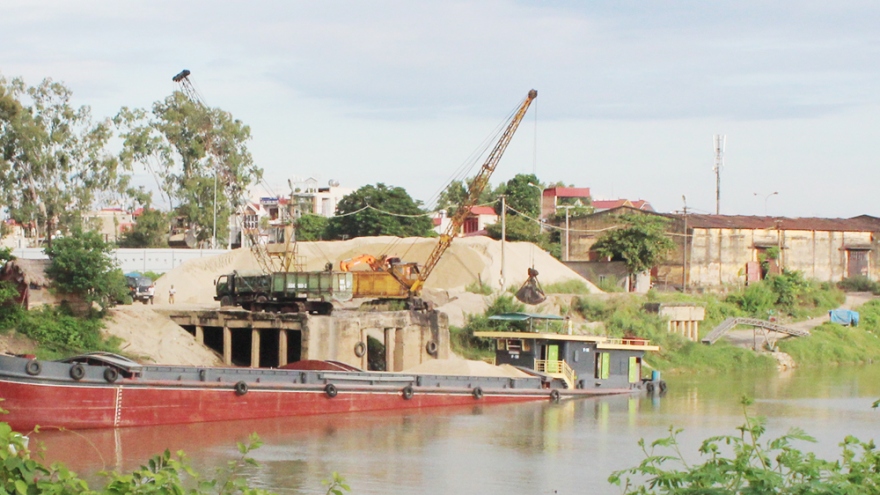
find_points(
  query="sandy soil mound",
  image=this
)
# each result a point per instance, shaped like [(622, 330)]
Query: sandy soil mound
[(469, 260), (465, 367), (153, 338)]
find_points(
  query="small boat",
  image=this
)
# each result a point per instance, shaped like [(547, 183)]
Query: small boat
[(103, 390)]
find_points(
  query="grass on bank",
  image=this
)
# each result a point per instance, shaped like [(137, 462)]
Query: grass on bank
[(788, 297)]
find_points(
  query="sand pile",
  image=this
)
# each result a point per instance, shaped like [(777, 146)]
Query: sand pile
[(469, 260), (151, 337), (465, 367)]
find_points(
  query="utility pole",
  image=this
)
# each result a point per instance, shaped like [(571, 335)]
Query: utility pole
[(565, 252), (503, 235), (684, 249), (720, 139)]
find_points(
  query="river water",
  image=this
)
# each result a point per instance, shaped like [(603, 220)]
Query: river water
[(527, 448)]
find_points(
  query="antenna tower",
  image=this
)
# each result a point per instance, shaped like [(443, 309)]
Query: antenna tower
[(719, 164)]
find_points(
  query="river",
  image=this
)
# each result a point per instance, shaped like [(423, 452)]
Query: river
[(528, 448)]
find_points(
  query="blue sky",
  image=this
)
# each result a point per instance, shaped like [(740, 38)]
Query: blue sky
[(630, 92)]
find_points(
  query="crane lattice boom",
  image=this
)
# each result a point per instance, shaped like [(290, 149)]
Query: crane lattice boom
[(475, 189)]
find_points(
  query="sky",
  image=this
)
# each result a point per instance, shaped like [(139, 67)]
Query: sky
[(630, 93)]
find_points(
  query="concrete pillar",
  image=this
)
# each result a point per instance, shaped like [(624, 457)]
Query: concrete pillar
[(255, 348), (282, 347), (227, 346), (200, 334), (389, 349)]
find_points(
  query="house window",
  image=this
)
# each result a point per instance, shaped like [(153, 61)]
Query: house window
[(514, 345), (250, 222)]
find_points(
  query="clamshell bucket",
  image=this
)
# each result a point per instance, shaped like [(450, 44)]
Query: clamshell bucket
[(531, 292)]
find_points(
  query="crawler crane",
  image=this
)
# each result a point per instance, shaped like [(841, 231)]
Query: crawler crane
[(395, 280)]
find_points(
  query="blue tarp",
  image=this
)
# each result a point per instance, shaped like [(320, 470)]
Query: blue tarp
[(844, 317)]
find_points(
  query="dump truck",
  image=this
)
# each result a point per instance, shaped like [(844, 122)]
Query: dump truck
[(284, 292)]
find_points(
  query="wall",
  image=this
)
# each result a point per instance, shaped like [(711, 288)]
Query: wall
[(718, 256), (406, 337), (139, 260)]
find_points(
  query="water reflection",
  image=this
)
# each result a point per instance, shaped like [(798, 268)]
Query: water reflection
[(528, 448)]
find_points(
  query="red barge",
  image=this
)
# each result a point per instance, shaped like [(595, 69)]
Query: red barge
[(108, 391)]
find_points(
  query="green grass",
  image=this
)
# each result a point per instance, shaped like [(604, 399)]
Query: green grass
[(567, 287), (831, 343), (479, 288)]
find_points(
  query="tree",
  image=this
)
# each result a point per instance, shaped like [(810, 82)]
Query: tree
[(80, 264), (379, 210), (54, 165), (641, 243), (523, 195), (311, 228), (457, 192), (150, 231), (198, 155)]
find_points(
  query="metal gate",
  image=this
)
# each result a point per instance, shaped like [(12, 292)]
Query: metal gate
[(856, 263)]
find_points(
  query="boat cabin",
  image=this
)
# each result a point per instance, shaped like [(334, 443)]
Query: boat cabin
[(544, 343)]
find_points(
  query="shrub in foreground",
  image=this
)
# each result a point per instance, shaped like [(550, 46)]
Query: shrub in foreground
[(746, 464)]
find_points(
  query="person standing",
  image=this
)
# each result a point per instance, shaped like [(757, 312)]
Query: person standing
[(171, 293)]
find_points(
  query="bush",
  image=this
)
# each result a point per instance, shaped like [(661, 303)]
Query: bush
[(469, 346), (859, 283), (755, 466), (757, 300), (60, 333), (21, 473)]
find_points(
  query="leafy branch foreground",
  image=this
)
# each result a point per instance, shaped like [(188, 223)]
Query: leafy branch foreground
[(756, 467), (164, 474)]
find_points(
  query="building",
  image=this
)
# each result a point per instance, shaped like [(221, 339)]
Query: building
[(30, 280), (714, 251), (554, 197), (309, 199), (111, 223), (479, 218)]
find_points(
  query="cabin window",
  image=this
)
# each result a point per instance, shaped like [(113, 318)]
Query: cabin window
[(526, 346), (500, 345), (514, 345)]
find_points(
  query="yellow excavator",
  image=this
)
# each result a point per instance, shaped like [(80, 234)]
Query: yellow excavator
[(392, 279)]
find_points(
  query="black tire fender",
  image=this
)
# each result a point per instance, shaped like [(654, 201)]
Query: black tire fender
[(408, 392), (431, 347), (33, 367), (360, 349), (662, 385), (554, 395), (478, 393), (241, 388), (77, 372), (330, 390), (649, 387), (111, 375)]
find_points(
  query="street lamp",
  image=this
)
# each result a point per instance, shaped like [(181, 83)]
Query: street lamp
[(774, 193)]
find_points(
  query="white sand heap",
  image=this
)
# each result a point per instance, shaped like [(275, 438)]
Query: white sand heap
[(465, 367), (153, 338), (468, 260)]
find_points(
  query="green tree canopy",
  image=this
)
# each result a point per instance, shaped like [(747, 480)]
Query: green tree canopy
[(457, 192), (522, 196), (195, 153), (149, 231), (54, 165), (380, 210), (641, 243), (81, 264), (311, 228)]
